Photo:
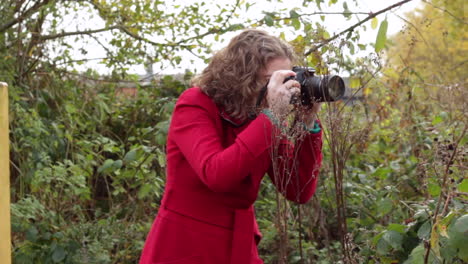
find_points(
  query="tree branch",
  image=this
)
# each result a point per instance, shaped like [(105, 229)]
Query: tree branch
[(85, 32), (351, 28), (80, 60), (335, 13), (140, 38), (23, 16), (214, 30)]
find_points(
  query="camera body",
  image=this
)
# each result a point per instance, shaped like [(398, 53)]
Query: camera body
[(327, 88)]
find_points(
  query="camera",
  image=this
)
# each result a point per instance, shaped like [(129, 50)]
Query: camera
[(326, 88)]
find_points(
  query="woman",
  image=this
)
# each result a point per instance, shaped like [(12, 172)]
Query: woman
[(220, 145)]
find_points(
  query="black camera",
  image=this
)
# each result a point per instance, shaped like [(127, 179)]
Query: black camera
[(327, 88)]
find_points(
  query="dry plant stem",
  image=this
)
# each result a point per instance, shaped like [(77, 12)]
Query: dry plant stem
[(285, 169), (364, 84), (280, 210), (299, 135), (340, 138), (445, 190), (334, 144)]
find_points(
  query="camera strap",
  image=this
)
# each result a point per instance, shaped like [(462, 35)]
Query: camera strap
[(261, 96)]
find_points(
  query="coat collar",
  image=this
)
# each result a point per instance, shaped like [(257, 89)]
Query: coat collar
[(235, 121)]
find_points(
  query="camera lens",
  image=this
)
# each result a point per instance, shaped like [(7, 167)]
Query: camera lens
[(325, 88), (336, 87), (322, 89)]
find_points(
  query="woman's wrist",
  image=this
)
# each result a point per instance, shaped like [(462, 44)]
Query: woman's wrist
[(314, 128), (274, 120)]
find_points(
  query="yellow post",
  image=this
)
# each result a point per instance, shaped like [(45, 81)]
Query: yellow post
[(5, 226)]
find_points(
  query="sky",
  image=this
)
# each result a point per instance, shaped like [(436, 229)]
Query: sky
[(333, 24)]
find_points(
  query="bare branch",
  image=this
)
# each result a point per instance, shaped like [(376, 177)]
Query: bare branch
[(80, 60), (143, 39), (85, 32), (444, 185), (336, 13), (419, 33), (351, 28)]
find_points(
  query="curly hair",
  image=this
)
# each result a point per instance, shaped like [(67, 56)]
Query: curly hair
[(232, 78)]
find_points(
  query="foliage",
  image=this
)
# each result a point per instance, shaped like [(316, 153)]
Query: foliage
[(122, 33), (405, 181), (433, 118), (88, 161), (91, 173)]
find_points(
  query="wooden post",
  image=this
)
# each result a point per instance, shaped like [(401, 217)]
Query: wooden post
[(5, 225)]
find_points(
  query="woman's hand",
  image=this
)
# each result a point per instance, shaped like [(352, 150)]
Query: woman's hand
[(279, 94)]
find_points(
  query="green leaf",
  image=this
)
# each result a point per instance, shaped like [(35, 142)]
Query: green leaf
[(417, 255), (70, 108), (463, 254), (383, 246), (117, 165), (346, 12), (59, 254), (160, 139), (394, 239), (459, 239), (161, 159), (437, 120), (163, 126), (293, 14), (421, 215), (463, 186), (381, 36), (425, 230), (354, 82), (374, 23), (318, 2), (376, 239), (144, 190), (130, 156), (382, 172), (351, 48), (448, 254), (461, 225), (385, 206), (447, 219), (269, 20), (106, 165), (235, 27), (296, 24), (433, 189), (397, 227), (31, 234)]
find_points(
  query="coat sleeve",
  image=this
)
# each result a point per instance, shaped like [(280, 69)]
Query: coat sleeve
[(194, 130), (296, 168)]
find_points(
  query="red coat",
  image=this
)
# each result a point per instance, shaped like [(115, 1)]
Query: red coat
[(214, 170)]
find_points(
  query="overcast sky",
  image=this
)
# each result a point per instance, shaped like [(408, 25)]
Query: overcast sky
[(333, 24)]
